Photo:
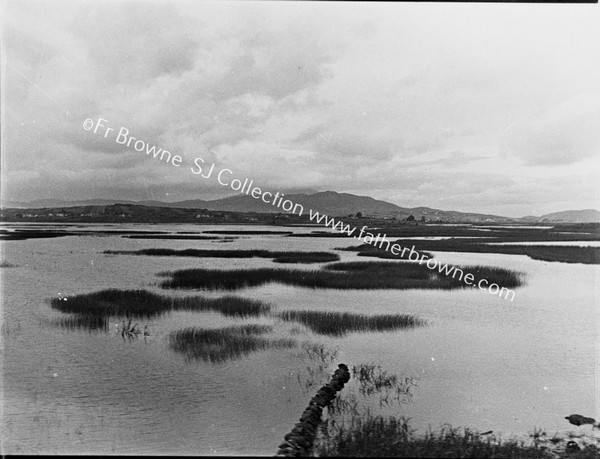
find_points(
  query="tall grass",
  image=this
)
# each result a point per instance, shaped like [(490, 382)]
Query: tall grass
[(254, 232), (219, 345), (353, 275), (341, 323), (565, 254), (142, 303), (393, 437), (278, 257), (171, 236), (352, 429)]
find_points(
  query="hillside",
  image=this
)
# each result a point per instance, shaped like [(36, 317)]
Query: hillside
[(327, 202), (571, 216)]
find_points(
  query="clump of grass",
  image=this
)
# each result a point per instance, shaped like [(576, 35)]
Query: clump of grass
[(219, 345), (88, 322), (342, 323), (352, 275), (171, 236), (254, 232), (305, 257), (372, 379), (367, 250), (278, 257), (142, 303), (320, 353), (393, 437)]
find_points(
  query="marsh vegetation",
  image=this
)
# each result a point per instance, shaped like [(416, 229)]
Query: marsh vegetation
[(351, 429), (341, 323), (373, 436), (277, 256), (144, 304), (351, 275), (189, 237), (564, 254)]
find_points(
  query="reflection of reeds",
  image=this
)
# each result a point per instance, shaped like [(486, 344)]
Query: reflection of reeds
[(142, 303), (341, 323), (82, 321), (353, 275), (278, 257), (218, 345)]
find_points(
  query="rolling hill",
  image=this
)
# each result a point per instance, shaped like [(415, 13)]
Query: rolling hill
[(327, 202)]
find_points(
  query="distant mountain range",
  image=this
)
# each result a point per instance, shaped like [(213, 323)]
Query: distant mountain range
[(568, 216), (328, 202)]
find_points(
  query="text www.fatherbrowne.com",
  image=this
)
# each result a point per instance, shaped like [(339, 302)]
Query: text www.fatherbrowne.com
[(224, 177)]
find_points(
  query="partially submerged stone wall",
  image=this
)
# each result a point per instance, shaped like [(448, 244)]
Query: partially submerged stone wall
[(300, 440)]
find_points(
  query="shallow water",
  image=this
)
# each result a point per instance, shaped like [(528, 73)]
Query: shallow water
[(482, 361)]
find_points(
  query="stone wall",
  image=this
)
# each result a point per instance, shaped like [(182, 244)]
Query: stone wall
[(300, 440)]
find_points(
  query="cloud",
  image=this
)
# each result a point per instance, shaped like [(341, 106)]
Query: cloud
[(564, 134), (409, 102)]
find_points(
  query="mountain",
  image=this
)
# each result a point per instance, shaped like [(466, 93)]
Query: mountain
[(343, 204), (325, 202), (188, 204), (328, 202), (571, 216)]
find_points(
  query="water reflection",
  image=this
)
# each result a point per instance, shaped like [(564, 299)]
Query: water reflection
[(223, 344)]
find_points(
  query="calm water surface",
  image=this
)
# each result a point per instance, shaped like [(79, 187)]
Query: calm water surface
[(482, 361)]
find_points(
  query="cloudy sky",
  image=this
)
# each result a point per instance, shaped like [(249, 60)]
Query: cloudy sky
[(489, 108)]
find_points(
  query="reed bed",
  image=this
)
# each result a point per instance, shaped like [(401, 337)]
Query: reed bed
[(352, 275), (142, 303), (564, 254), (253, 232), (222, 344), (278, 257), (172, 236), (370, 435), (342, 323)]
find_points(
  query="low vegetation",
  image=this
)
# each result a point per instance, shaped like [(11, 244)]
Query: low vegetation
[(341, 323), (142, 303), (253, 232), (352, 275), (351, 428), (171, 236), (222, 344), (373, 436), (278, 257), (21, 235), (565, 254)]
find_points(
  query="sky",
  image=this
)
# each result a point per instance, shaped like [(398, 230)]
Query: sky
[(491, 108)]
